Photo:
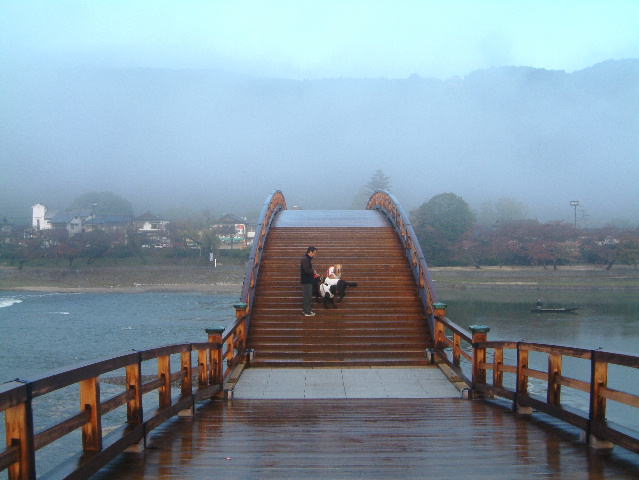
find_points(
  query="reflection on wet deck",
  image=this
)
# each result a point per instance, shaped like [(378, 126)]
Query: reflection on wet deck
[(366, 438)]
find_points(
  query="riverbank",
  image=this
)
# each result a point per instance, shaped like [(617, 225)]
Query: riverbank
[(507, 284), (451, 281), (577, 276), (125, 279)]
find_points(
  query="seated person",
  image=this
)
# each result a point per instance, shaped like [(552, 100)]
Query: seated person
[(333, 285), (334, 271)]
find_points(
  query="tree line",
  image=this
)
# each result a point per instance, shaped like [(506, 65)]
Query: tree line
[(449, 234), (449, 231)]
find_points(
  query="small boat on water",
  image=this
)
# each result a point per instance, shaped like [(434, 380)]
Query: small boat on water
[(554, 310)]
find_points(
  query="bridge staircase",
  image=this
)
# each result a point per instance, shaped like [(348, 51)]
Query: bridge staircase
[(381, 322)]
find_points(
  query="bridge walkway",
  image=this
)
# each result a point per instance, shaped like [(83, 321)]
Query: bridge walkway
[(313, 383), (366, 438)]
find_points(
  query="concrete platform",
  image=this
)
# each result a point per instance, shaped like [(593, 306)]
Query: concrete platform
[(315, 383)]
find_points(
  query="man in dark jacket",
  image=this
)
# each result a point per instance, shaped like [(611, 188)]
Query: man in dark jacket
[(307, 279)]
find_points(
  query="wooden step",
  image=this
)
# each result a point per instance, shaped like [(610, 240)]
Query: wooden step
[(344, 355), (336, 348), (338, 362)]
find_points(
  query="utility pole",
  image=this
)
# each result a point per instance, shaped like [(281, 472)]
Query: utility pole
[(575, 204), (93, 205)]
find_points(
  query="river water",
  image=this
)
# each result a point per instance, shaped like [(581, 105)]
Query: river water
[(44, 331)]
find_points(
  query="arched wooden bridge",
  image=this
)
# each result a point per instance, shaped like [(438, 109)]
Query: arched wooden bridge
[(384, 386)]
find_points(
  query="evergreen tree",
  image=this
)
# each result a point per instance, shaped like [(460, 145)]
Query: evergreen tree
[(378, 181)]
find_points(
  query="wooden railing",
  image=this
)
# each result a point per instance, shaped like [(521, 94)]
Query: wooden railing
[(215, 359), (452, 343), (273, 204), (601, 433), (387, 204)]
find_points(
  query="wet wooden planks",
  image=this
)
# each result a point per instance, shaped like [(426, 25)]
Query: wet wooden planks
[(381, 438)]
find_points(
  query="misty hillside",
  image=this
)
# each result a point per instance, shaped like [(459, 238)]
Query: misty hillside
[(208, 139)]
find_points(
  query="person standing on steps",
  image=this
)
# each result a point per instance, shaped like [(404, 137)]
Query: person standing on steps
[(307, 279)]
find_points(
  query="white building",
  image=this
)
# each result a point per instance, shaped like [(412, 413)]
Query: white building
[(150, 223), (40, 220)]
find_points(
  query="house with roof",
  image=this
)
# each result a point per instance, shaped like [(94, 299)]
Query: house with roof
[(108, 223), (147, 222), (72, 223), (77, 221), (231, 231), (154, 229)]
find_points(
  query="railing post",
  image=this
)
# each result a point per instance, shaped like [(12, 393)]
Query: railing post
[(203, 361), (19, 432), (241, 310), (480, 334), (522, 381), (440, 328), (215, 336), (456, 349), (230, 350), (598, 379), (186, 386), (164, 372), (498, 374), (553, 391), (90, 400), (134, 411)]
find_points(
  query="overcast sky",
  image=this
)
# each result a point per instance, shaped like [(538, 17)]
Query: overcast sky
[(203, 114), (319, 39)]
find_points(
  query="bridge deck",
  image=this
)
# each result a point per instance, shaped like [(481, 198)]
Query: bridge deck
[(380, 438), (330, 218), (298, 383)]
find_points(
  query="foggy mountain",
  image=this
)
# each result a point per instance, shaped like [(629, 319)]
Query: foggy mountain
[(210, 139)]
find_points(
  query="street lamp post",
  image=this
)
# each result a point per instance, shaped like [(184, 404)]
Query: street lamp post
[(575, 204), (93, 205)]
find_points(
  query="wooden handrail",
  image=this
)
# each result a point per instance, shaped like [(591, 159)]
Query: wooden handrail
[(116, 401), (600, 431), (64, 377), (10, 456), (59, 430), (562, 349), (462, 332), (449, 335), (389, 206), (18, 457), (272, 205)]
